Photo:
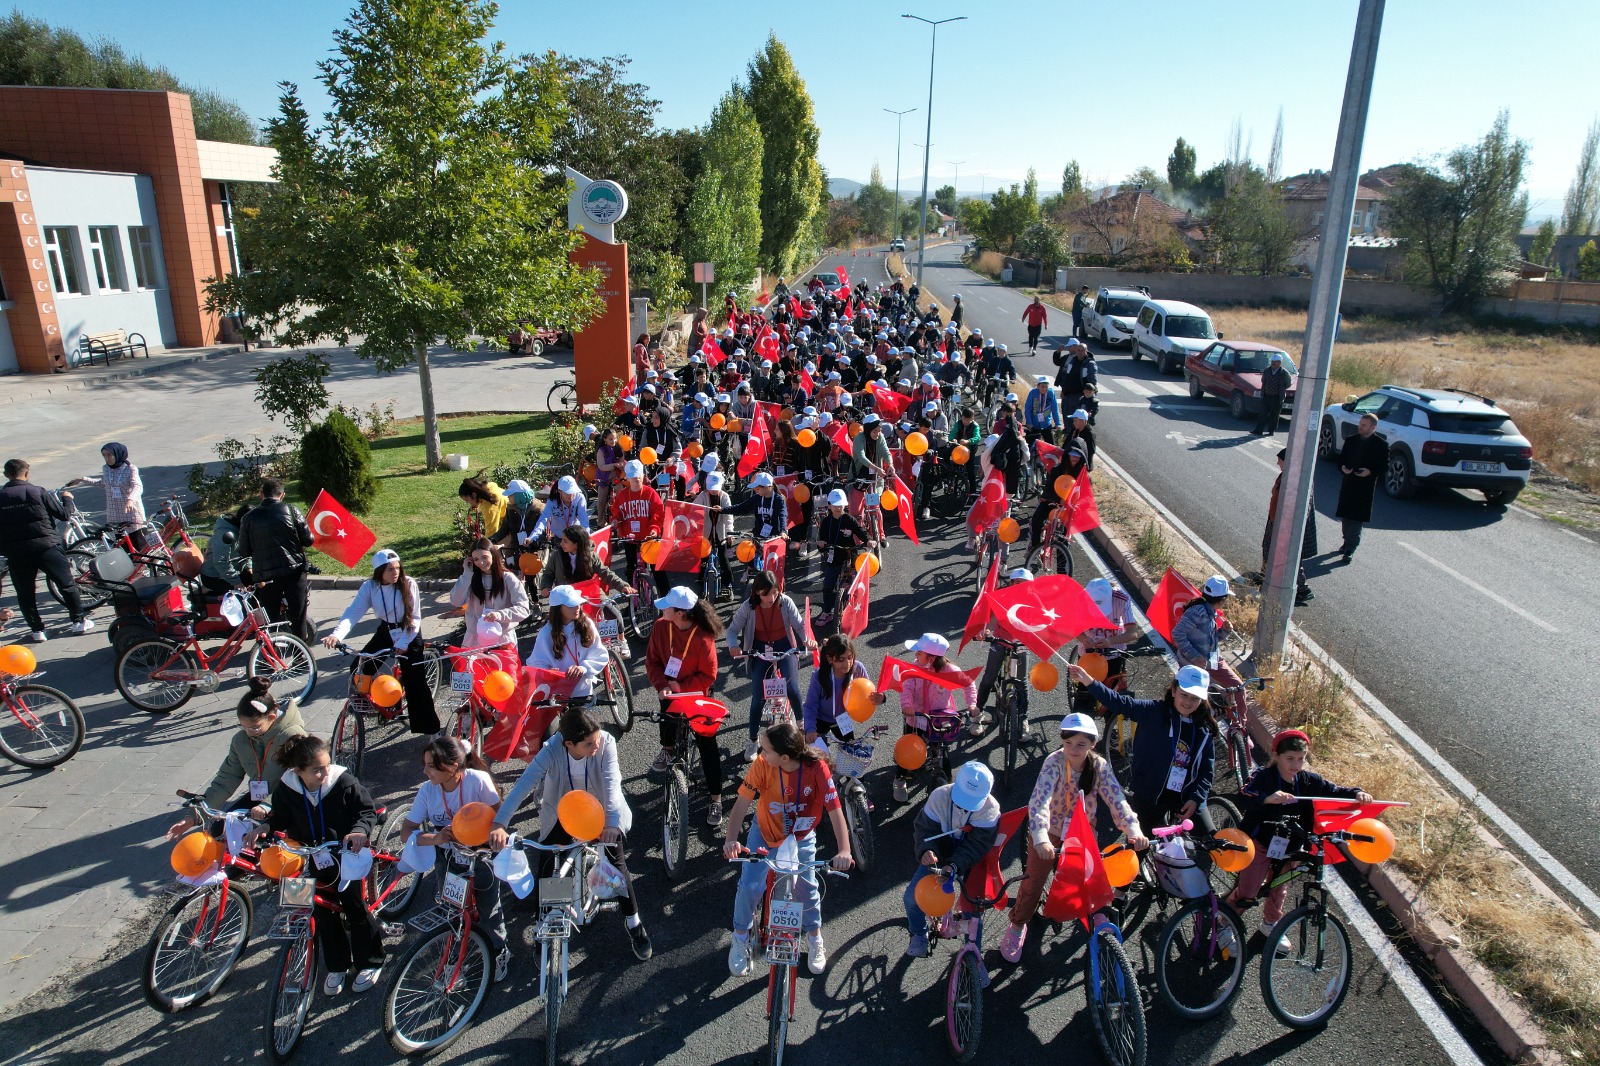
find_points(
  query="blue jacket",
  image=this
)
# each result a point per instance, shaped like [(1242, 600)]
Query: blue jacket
[(1195, 635), (1037, 413), (822, 709), (1155, 746)]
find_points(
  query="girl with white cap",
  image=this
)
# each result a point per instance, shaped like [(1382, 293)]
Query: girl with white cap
[(920, 698), (566, 507), (570, 643), (838, 534), (397, 603)]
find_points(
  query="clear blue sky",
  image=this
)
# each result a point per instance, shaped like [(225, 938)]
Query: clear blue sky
[(1021, 83)]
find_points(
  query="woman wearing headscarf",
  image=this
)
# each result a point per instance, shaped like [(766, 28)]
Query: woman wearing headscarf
[(124, 490)]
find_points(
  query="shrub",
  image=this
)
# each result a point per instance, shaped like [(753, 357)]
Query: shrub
[(335, 456), (238, 479), (292, 389)]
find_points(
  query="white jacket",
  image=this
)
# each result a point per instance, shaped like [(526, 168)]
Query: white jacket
[(389, 604), (592, 660), (511, 605)]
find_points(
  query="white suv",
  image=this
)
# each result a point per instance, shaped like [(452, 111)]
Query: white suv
[(1110, 316), (1169, 331), (1447, 437)]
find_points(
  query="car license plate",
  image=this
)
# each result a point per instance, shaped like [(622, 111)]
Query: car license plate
[(786, 915), (461, 681), (1480, 468), (774, 688), (454, 891)]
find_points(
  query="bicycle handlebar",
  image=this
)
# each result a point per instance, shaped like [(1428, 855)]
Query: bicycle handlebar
[(197, 802), (762, 855)]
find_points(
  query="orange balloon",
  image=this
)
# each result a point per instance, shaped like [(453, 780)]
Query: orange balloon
[(858, 702), (889, 500), (581, 815), (194, 854), (786, 415), (498, 686), (910, 752), (15, 659), (1044, 676), (1009, 530), (735, 425), (868, 559), (1063, 486), (625, 442), (650, 551), (1376, 850), (277, 863), (590, 471), (960, 454), (362, 684), (934, 899), (705, 547), (694, 449), (386, 690), (806, 437), (648, 455), (746, 551), (916, 444), (802, 492), (718, 420), (472, 823), (1121, 864), (855, 429), (530, 563), (1094, 664), (1234, 861)]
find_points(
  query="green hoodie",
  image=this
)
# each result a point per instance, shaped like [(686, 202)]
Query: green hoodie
[(253, 757)]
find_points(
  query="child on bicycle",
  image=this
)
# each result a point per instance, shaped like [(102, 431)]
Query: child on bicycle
[(997, 657), (569, 642), (720, 529), (315, 802), (838, 534), (456, 776), (768, 621), (955, 829), (1110, 644), (681, 656), (791, 786), (394, 599), (265, 726), (580, 756), (824, 706), (922, 700), (1070, 769), (1276, 792)]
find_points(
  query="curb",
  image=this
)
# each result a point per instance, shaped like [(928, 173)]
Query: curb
[(1512, 1027), (133, 371)]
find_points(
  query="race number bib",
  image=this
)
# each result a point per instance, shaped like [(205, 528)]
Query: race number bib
[(1278, 848), (787, 915), (461, 681), (454, 891), (258, 792), (1176, 778), (774, 688), (674, 667), (609, 631), (322, 860)]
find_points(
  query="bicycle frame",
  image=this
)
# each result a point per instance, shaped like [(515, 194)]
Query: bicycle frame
[(254, 626)]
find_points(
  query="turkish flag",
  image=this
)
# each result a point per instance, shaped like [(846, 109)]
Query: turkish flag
[(980, 607), (842, 293), (985, 881), (1083, 514), (774, 557), (806, 381), (991, 505), (840, 435), (786, 485), (1166, 606), (908, 525), (601, 539), (712, 351), (888, 403), (794, 307), (681, 533), (1049, 454), (811, 638), (592, 594), (756, 447), (853, 619), (767, 345), (1046, 612), (844, 276), (763, 298), (337, 533), (895, 672), (1080, 886)]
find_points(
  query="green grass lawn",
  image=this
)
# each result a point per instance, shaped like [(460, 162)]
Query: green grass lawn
[(415, 506)]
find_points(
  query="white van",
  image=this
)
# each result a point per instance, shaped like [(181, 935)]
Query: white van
[(1168, 331)]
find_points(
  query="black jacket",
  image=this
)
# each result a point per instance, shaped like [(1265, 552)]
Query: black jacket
[(345, 807), (1253, 805), (1073, 375), (1355, 493), (274, 537), (28, 517)]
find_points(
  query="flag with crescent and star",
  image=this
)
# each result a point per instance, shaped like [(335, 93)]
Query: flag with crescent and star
[(843, 274), (1083, 514), (601, 539), (337, 533), (991, 505), (853, 618), (908, 524), (1045, 613), (1166, 606), (775, 557), (681, 533), (979, 615), (896, 672), (890, 404), (756, 446), (811, 638)]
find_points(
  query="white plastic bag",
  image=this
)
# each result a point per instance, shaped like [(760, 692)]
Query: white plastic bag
[(606, 881)]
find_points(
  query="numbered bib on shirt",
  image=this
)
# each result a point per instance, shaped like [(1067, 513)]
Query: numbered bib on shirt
[(1177, 777), (674, 667), (322, 860)]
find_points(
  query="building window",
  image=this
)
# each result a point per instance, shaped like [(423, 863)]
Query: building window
[(146, 261), (105, 252), (66, 261)]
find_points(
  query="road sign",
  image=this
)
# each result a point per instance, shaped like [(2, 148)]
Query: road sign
[(703, 274)]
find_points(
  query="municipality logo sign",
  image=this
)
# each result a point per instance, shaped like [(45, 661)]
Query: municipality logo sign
[(604, 202)]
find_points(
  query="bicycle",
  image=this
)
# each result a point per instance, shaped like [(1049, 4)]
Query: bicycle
[(852, 758), (869, 512), (1200, 956), (348, 742), (775, 707), (616, 684), (1011, 715), (1115, 1006), (642, 602), (940, 730), (777, 935), (158, 675), (463, 709), (1053, 552), (1233, 726), (148, 546), (685, 755), (45, 727), (562, 397), (566, 904)]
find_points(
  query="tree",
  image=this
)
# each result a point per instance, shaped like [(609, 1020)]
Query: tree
[(723, 224), (1580, 213), (1275, 153), (876, 207), (1248, 230), (1030, 186), (1459, 222), (1212, 185), (1180, 166), (792, 188), (1151, 182), (335, 456), (1010, 213), (1589, 262), (944, 198), (975, 218), (1045, 242), (1071, 180), (34, 53), (409, 213), (1544, 242)]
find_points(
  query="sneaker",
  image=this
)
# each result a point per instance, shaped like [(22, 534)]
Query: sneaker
[(901, 794), (333, 984), (979, 723), (663, 761), (816, 952), (750, 750), (39, 636), (739, 956), (714, 813), (640, 941), (824, 618), (82, 626), (1011, 943), (1227, 942), (502, 965), (365, 979), (918, 947)]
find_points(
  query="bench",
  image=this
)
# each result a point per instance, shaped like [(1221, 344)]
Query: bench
[(112, 344)]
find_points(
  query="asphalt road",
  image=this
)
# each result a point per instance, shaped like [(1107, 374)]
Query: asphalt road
[(1473, 624), (872, 1004)]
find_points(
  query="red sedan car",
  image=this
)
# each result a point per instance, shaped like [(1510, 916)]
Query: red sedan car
[(1232, 370)]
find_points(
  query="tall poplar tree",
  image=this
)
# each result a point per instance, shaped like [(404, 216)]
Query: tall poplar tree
[(792, 186)]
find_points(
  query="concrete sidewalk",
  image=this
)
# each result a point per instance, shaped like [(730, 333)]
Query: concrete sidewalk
[(21, 388)]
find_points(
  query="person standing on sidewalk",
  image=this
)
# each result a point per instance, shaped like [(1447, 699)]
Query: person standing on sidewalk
[(1360, 460), (1274, 386), (1036, 318), (274, 538), (30, 543), (124, 489), (1079, 303), (957, 312), (1302, 593)]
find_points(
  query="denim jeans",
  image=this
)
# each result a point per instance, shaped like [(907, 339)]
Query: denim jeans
[(756, 670), (916, 920), (753, 884)]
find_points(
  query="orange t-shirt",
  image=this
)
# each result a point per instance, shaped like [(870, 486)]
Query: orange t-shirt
[(789, 802)]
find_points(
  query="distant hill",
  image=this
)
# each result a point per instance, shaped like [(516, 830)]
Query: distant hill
[(843, 188)]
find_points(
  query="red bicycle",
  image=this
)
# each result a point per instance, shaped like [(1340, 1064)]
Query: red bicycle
[(44, 727)]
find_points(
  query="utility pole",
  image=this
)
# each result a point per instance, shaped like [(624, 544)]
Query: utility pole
[(1311, 390), (922, 235), (955, 204), (894, 230)]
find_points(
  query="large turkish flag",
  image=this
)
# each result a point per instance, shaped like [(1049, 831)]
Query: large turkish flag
[(1046, 612), (337, 533)]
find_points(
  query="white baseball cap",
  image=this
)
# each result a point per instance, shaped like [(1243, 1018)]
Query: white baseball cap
[(384, 556), (680, 597), (518, 485), (1081, 413), (714, 482), (1021, 573), (511, 866), (565, 596), (588, 431), (929, 379), (837, 498), (1080, 723), (762, 480), (568, 484), (972, 784), (1216, 585), (709, 463), (1194, 681), (1099, 591), (634, 468), (991, 440), (932, 643), (929, 408), (1040, 379)]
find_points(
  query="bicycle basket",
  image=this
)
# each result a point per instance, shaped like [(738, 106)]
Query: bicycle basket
[(853, 758), (1177, 872)]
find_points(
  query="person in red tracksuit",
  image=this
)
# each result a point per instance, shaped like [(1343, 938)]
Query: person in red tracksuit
[(637, 514), (1036, 318)]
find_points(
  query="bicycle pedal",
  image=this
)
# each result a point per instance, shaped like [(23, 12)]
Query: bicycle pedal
[(394, 930)]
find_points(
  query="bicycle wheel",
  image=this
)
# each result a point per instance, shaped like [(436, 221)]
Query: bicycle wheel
[(289, 999), (675, 823), (386, 875), (1223, 815), (644, 609), (563, 396), (1240, 766), (555, 996), (778, 1014), (91, 595), (619, 693), (348, 743), (195, 947), (1008, 712), (436, 991), (1305, 985), (1052, 557), (151, 695), (1115, 1007), (1197, 972), (963, 1006), (44, 728), (858, 816), (293, 674)]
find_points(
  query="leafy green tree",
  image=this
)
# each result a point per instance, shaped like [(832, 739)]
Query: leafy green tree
[(1589, 262), (843, 223), (792, 188), (1212, 185), (1046, 242), (409, 214), (1151, 182), (1249, 232), (876, 206), (335, 456), (293, 389), (1030, 186), (1011, 211), (944, 198), (1580, 212), (1071, 180), (1544, 242), (975, 218), (1180, 166), (32, 52), (724, 220), (1459, 222)]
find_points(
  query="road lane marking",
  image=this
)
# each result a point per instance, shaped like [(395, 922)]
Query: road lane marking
[(1171, 388), (1134, 387), (1471, 584)]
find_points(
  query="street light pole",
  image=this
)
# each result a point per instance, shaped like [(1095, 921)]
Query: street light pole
[(955, 202), (1311, 390), (895, 228), (922, 236)]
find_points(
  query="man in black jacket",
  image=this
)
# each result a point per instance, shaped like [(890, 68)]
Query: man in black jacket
[(28, 539), (274, 538), (1361, 461), (1077, 369)]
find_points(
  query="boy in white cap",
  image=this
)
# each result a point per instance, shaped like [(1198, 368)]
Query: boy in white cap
[(954, 831), (838, 535)]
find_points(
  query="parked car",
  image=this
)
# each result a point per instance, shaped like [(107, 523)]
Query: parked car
[(1446, 437), (1110, 317), (1232, 370), (1169, 331)]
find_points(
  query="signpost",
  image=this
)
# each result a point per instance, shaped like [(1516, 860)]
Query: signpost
[(601, 350), (704, 275)]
